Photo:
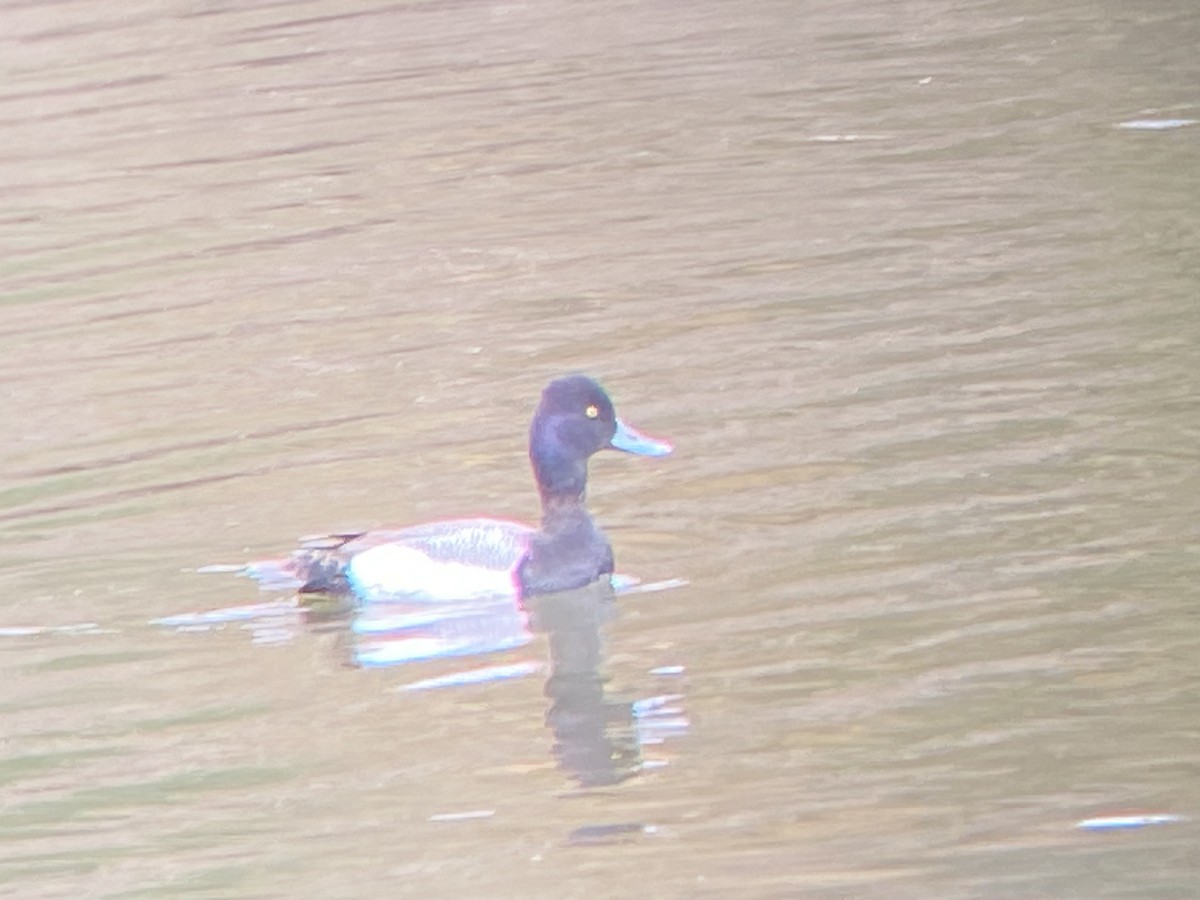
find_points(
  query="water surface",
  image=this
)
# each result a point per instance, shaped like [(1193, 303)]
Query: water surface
[(915, 308)]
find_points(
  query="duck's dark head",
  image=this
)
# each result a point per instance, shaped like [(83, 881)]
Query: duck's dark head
[(574, 420)]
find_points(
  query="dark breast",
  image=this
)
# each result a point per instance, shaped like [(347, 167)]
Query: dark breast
[(567, 553)]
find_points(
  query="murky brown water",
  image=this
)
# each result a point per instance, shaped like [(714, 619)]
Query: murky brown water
[(919, 316)]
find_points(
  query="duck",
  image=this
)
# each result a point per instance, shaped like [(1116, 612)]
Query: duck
[(480, 558)]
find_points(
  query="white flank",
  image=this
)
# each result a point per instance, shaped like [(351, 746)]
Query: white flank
[(397, 572)]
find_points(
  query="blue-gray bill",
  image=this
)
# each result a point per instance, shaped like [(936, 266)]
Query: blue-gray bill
[(631, 440)]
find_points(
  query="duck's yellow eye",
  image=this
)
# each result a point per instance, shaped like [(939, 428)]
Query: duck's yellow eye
[(591, 412)]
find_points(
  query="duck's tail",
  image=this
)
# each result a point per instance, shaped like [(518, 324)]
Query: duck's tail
[(310, 570)]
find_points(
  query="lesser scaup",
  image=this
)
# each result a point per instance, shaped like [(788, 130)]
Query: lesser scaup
[(466, 558)]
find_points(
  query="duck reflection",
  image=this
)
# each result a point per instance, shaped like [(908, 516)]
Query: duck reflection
[(597, 736)]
